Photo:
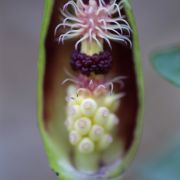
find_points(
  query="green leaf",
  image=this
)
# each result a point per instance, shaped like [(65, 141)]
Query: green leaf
[(167, 63)]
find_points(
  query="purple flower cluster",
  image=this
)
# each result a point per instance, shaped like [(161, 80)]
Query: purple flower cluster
[(98, 63)]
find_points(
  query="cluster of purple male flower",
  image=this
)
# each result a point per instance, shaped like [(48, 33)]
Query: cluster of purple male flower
[(98, 63)]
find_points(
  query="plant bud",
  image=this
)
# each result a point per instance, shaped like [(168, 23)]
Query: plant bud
[(69, 123), (96, 132), (102, 115), (105, 141), (86, 146), (83, 126), (74, 137), (88, 107), (73, 111), (111, 122), (112, 102)]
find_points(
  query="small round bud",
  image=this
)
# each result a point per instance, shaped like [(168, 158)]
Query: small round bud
[(69, 123), (102, 115), (112, 102), (83, 126), (88, 107), (105, 141), (86, 146), (74, 137), (96, 132), (74, 111), (100, 90), (112, 122)]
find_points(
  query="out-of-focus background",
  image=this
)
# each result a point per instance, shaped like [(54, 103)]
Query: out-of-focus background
[(21, 152)]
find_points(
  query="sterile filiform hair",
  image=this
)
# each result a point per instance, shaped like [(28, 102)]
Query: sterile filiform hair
[(95, 21)]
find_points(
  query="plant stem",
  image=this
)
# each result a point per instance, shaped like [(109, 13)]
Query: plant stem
[(88, 163)]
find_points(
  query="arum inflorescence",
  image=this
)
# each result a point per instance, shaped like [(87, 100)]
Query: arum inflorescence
[(92, 105), (90, 130)]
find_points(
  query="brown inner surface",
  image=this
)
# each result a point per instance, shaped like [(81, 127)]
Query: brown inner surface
[(123, 65), (57, 58)]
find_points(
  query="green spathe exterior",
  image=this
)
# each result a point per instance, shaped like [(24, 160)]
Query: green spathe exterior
[(57, 154)]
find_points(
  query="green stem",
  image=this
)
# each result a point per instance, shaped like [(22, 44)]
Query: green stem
[(88, 163)]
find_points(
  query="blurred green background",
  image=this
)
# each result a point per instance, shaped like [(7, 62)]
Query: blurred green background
[(21, 152)]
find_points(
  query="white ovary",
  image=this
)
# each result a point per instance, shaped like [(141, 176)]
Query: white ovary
[(73, 111), (92, 123), (83, 125), (86, 146), (69, 123), (96, 132), (112, 122), (74, 137), (105, 141), (88, 106), (112, 102), (101, 115)]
